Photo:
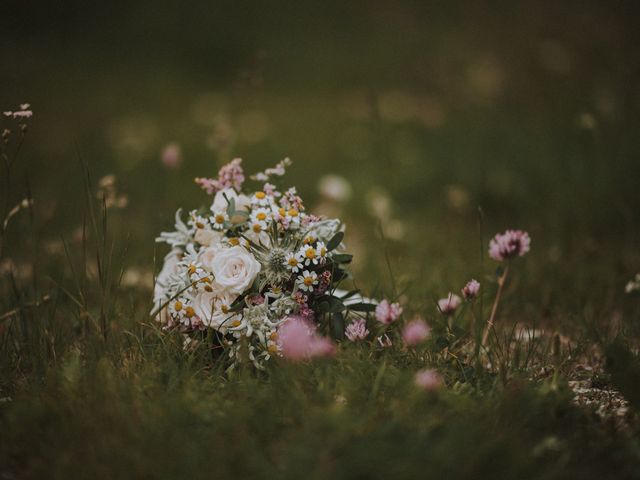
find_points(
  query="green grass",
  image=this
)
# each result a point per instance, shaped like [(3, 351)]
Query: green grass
[(530, 118)]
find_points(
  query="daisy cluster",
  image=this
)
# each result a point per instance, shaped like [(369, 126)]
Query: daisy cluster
[(247, 263)]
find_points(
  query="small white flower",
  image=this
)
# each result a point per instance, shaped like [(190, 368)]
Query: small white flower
[(322, 252), (307, 280), (219, 220), (198, 221), (237, 241), (262, 215), (309, 255), (260, 198), (293, 261), (177, 307)]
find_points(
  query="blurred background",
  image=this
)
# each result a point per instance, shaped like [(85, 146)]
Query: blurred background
[(421, 112)]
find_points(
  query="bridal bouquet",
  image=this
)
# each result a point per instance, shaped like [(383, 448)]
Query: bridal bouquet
[(250, 262)]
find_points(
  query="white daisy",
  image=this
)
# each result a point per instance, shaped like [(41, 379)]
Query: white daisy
[(293, 261), (309, 255), (322, 252), (198, 221), (219, 220), (260, 198), (307, 280)]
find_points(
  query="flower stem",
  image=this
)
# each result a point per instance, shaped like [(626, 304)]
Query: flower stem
[(494, 308)]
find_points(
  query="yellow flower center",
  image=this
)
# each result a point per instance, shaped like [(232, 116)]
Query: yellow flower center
[(257, 228), (293, 261), (308, 281), (219, 218), (308, 240), (282, 212), (225, 309), (310, 253), (233, 241), (189, 312), (260, 195), (323, 252), (192, 269), (208, 288), (178, 306), (273, 349), (261, 216), (293, 212), (273, 336), (199, 225), (235, 323)]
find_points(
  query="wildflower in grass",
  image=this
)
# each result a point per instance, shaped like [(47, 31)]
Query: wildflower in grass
[(510, 244), (471, 289), (504, 246), (307, 281), (388, 312), (428, 379), (415, 332), (23, 113), (335, 188), (171, 155), (449, 304), (298, 340), (357, 331), (633, 285)]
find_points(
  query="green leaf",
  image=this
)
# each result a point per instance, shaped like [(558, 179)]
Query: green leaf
[(338, 326), (335, 241), (363, 307), (323, 307), (231, 207), (336, 305), (350, 294), (342, 258)]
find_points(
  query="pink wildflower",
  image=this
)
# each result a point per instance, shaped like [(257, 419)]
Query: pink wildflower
[(171, 155), (292, 200), (510, 244), (388, 312), (449, 304), (471, 289), (298, 340), (415, 332), (325, 281), (357, 330), (428, 379), (229, 176)]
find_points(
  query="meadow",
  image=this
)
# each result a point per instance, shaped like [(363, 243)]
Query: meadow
[(427, 129)]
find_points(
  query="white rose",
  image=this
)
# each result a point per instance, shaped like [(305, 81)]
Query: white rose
[(235, 269), (207, 237), (207, 255), (213, 308), (222, 199)]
